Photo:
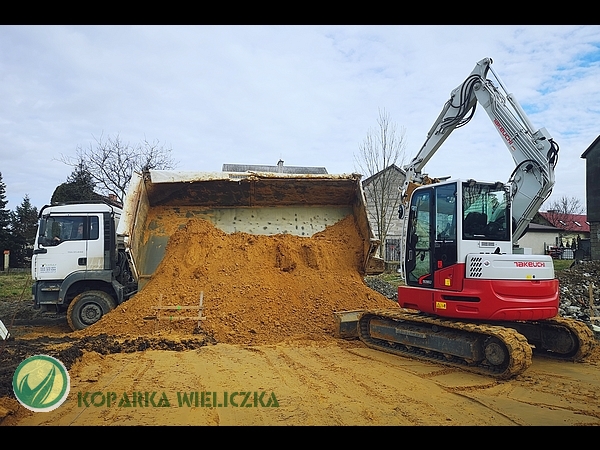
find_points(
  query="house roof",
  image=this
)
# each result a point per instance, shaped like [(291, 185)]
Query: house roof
[(279, 168), (542, 228), (391, 167), (593, 145), (576, 223)]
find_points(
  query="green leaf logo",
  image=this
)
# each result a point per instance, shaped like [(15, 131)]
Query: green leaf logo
[(41, 383)]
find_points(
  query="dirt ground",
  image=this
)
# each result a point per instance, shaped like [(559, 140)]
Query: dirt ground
[(265, 353), (312, 383)]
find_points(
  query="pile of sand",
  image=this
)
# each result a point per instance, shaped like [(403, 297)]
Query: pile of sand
[(256, 289)]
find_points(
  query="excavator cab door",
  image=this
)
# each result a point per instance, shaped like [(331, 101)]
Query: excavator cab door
[(418, 255), (432, 235), (445, 218)]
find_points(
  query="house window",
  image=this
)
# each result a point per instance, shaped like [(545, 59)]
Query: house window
[(392, 249)]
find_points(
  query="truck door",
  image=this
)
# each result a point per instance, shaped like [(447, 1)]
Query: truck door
[(61, 247), (95, 244)]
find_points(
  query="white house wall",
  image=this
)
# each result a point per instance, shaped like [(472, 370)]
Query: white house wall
[(395, 230), (538, 242)]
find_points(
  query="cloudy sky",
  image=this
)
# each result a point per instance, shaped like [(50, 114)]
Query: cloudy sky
[(305, 94)]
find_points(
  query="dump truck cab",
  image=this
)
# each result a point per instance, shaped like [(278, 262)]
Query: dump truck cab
[(77, 251)]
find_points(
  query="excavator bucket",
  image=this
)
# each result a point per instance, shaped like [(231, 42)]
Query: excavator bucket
[(159, 202)]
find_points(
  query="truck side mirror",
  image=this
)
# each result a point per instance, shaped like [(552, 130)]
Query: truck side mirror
[(42, 241)]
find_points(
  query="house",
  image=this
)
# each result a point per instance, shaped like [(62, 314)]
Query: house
[(383, 209), (279, 168), (572, 226), (540, 238), (592, 194), (574, 232)]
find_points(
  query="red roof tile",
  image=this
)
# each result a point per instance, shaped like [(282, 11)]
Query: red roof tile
[(568, 222)]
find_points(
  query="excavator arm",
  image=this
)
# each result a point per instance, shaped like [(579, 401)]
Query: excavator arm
[(534, 152)]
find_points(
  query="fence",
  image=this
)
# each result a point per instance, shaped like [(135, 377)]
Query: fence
[(392, 250), (392, 254), (569, 253), (15, 270)]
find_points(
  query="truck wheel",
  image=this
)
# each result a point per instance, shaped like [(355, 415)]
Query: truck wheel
[(87, 308)]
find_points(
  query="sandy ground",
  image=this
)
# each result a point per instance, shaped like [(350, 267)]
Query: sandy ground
[(268, 303), (306, 383)]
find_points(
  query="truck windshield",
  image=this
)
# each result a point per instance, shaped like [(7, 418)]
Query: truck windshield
[(57, 229), (485, 212)]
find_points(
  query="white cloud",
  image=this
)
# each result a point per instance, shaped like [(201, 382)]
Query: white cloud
[(305, 94)]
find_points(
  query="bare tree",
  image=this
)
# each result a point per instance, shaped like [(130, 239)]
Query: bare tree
[(559, 213), (562, 208), (112, 162), (379, 157)]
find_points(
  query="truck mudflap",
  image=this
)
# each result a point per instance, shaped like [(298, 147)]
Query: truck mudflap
[(251, 202)]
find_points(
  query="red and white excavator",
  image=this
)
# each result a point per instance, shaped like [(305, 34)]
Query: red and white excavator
[(472, 298)]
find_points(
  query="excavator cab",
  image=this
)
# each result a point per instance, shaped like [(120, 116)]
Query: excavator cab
[(459, 262)]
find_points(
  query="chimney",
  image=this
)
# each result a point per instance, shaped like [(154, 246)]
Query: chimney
[(280, 166)]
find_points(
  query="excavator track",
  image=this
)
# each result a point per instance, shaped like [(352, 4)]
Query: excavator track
[(582, 332), (480, 348), (560, 337)]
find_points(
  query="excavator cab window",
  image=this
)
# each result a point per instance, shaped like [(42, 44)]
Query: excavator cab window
[(485, 212)]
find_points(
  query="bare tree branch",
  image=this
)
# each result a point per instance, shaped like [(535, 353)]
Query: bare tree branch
[(112, 162), (381, 153), (562, 208)]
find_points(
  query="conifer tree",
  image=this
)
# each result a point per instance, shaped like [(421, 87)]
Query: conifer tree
[(23, 224), (5, 234)]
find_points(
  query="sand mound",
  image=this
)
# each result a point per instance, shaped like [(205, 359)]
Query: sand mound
[(256, 289)]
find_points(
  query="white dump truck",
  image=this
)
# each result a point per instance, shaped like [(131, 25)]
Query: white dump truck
[(90, 257)]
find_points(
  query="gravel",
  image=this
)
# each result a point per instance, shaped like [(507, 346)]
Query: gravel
[(383, 287), (575, 292)]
